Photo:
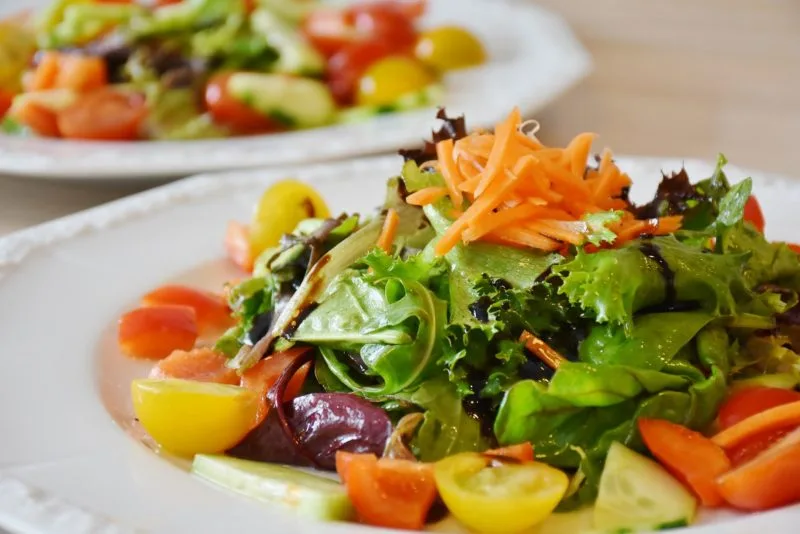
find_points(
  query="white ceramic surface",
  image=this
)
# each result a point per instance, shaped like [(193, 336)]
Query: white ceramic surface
[(533, 57), (69, 458)]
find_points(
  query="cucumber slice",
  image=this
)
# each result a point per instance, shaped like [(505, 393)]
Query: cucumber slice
[(310, 495), (300, 102), (295, 55), (426, 97), (638, 494)]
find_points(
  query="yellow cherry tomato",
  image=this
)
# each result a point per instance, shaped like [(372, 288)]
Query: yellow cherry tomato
[(280, 209), (391, 78), (449, 48), (17, 45), (491, 496), (188, 418)]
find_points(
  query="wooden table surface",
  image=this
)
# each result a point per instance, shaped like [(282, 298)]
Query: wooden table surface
[(681, 78)]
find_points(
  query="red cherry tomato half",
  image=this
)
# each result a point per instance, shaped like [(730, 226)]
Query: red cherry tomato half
[(213, 313), (770, 480), (750, 401), (794, 247), (6, 99), (331, 30), (232, 113), (157, 331), (103, 115), (43, 121), (347, 66), (753, 213)]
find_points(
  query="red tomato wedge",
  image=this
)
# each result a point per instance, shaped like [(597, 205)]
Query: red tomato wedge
[(232, 113), (213, 313), (329, 30), (81, 73), (41, 120), (265, 373), (237, 245), (770, 480), (750, 401), (785, 416), (522, 452), (348, 64), (201, 365), (693, 458), (6, 99), (103, 115), (157, 331), (388, 492), (753, 213), (794, 247)]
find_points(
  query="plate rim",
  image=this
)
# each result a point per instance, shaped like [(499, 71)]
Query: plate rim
[(28, 509)]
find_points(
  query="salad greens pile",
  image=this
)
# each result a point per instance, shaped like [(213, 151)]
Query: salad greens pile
[(659, 327)]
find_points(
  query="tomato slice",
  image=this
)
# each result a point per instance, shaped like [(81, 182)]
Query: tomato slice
[(753, 213), (200, 365), (794, 247), (42, 120), (237, 245), (750, 401), (347, 66), (103, 115), (263, 375), (522, 452), (770, 480), (230, 112), (6, 99), (157, 331), (693, 458), (390, 23), (388, 492), (213, 313)]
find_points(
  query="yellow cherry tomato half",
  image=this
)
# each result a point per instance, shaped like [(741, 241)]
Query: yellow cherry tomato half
[(188, 418), (488, 495), (449, 48), (391, 78), (280, 209)]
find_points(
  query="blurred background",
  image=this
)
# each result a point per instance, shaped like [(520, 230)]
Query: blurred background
[(684, 78)]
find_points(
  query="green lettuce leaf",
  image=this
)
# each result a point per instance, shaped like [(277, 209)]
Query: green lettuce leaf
[(394, 326), (613, 285), (447, 428), (653, 341)]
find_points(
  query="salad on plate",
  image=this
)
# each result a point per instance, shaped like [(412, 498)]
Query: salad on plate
[(508, 342), (126, 70)]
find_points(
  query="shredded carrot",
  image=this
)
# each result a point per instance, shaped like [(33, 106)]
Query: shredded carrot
[(502, 143), (426, 196), (508, 188), (541, 350), (388, 232), (489, 222), (449, 170), (578, 153), (783, 416)]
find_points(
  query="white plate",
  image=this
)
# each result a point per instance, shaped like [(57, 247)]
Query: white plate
[(533, 57), (65, 466)]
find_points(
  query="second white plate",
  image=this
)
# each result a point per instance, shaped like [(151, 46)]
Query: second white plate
[(533, 57)]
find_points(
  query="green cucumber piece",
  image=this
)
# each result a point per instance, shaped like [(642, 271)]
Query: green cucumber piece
[(310, 495), (298, 102), (295, 55), (638, 494)]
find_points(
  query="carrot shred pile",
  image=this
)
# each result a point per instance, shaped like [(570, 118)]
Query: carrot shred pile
[(508, 188)]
